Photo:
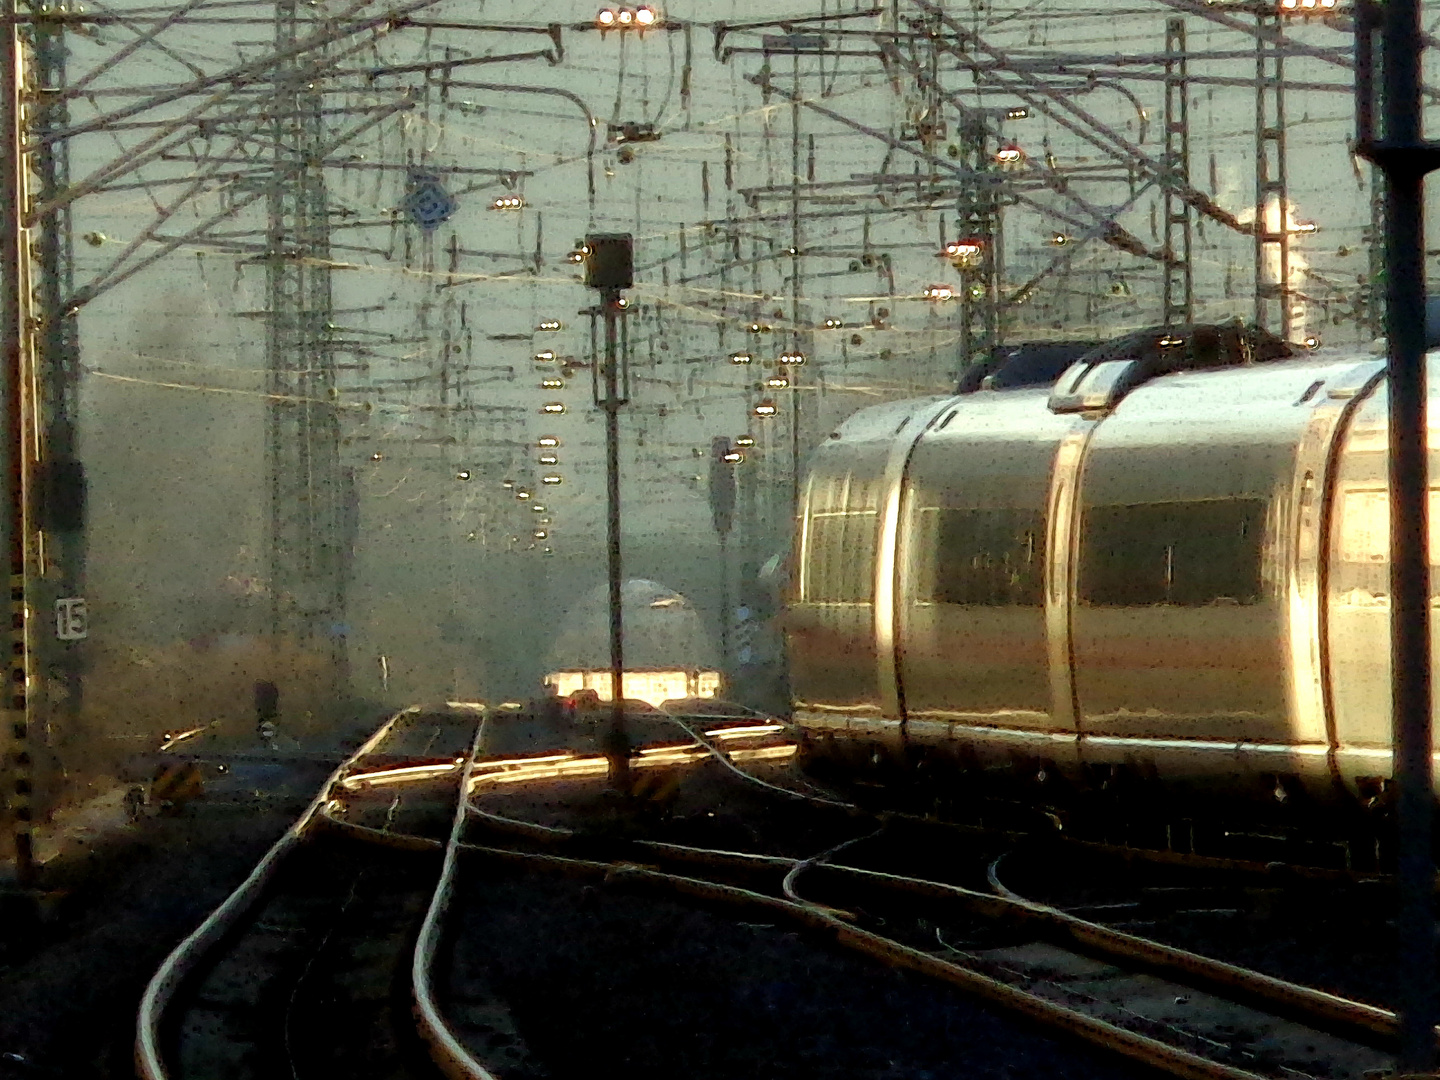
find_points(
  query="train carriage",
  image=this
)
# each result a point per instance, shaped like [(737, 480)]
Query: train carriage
[(1172, 562)]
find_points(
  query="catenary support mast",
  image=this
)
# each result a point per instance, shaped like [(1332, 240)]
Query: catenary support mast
[(307, 485)]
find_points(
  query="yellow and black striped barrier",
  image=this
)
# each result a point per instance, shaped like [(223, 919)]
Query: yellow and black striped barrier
[(18, 798), (177, 784)]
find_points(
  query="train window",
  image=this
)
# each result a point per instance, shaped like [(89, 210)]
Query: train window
[(989, 557), (1184, 553), (841, 549), (1365, 526)]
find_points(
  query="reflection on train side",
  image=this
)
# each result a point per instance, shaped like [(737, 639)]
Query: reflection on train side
[(1183, 574)]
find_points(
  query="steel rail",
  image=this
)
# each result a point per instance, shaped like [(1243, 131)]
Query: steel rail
[(183, 959), (1098, 1033), (1374, 1026), (446, 1050)]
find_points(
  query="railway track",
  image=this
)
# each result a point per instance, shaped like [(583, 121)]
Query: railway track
[(349, 938), (1167, 1007), (308, 968)]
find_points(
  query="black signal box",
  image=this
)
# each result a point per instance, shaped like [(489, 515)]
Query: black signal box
[(610, 261)]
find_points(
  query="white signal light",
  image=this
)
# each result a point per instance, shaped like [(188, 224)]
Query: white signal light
[(765, 408), (553, 407), (552, 479), (646, 15), (965, 254), (547, 440)]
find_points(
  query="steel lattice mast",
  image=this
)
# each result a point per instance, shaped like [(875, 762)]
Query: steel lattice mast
[(309, 504)]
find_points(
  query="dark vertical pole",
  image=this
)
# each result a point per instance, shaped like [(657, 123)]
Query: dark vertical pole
[(18, 769), (617, 745), (724, 608), (795, 268), (1406, 159)]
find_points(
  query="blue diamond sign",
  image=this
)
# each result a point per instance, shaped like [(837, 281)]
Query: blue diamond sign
[(427, 202)]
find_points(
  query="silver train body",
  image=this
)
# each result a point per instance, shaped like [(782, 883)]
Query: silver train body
[(1184, 577)]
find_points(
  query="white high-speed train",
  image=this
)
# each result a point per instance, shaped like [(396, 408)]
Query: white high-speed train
[(1170, 564)]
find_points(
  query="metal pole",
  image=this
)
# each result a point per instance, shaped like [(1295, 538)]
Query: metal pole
[(795, 268), (1409, 560), (617, 749), (724, 608), (19, 763)]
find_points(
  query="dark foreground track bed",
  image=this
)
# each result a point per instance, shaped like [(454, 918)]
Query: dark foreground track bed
[(1336, 936), (69, 986), (603, 981), (317, 983)]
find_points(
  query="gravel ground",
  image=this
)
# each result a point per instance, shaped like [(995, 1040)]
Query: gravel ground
[(603, 982), (70, 983), (1334, 936)]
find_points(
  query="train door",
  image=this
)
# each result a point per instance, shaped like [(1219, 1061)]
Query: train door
[(972, 654)]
